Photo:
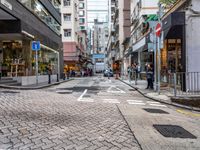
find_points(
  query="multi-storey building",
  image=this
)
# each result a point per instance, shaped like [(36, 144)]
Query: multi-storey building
[(100, 38), (74, 32), (22, 22), (96, 9), (110, 53), (120, 31), (143, 18), (69, 31)]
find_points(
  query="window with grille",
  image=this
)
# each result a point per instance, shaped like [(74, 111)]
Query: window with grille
[(67, 17), (67, 32), (66, 2)]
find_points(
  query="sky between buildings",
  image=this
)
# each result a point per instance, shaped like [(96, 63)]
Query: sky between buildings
[(97, 9)]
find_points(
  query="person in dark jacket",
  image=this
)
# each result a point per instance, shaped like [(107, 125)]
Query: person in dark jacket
[(149, 77)]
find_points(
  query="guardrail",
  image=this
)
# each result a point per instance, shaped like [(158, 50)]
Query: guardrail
[(184, 83)]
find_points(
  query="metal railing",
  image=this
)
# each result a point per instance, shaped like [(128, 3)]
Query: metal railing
[(184, 83)]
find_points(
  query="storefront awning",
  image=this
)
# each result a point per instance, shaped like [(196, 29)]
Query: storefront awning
[(139, 45), (172, 23)]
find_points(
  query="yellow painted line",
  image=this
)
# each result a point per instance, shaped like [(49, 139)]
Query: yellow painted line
[(188, 113)]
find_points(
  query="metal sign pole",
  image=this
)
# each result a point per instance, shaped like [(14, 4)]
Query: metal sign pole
[(36, 48), (58, 65), (36, 65), (155, 59), (158, 65)]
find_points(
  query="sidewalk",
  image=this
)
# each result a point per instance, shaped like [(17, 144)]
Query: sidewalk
[(34, 87), (163, 97)]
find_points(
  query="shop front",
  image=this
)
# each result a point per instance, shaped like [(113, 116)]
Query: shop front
[(173, 57), (17, 60)]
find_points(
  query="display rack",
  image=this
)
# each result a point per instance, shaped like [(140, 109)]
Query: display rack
[(17, 68)]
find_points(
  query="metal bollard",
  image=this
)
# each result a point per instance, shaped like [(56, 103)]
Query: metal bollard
[(63, 76), (175, 90), (49, 79), (57, 78), (135, 78)]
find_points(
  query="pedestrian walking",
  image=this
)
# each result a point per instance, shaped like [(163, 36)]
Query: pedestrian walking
[(129, 71)]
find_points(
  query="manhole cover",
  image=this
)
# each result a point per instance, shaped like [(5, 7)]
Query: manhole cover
[(64, 91), (173, 131), (159, 111), (10, 92)]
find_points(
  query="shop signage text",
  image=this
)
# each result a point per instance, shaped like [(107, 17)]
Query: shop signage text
[(6, 4)]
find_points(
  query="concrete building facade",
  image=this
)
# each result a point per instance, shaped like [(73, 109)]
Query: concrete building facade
[(143, 18), (22, 22), (74, 32), (120, 30)]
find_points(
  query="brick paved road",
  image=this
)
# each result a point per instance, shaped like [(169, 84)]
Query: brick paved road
[(45, 119)]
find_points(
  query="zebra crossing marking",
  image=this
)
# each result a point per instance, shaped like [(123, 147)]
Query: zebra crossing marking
[(158, 105), (86, 100), (111, 101)]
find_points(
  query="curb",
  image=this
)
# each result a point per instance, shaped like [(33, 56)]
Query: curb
[(123, 116), (33, 88), (163, 102)]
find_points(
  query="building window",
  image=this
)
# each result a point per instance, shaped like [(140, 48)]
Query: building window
[(82, 27), (81, 20), (81, 5), (67, 32), (66, 2), (81, 13), (67, 17)]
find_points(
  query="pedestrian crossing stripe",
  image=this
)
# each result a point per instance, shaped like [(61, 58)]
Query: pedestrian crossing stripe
[(132, 103), (111, 101), (86, 100), (158, 105), (150, 102), (139, 101)]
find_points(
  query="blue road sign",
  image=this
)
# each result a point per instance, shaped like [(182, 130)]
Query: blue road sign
[(98, 56), (35, 45)]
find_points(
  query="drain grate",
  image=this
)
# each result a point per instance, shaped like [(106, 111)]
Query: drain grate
[(158, 111), (174, 131), (64, 91)]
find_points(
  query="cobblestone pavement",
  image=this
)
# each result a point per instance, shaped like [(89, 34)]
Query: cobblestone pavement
[(45, 119)]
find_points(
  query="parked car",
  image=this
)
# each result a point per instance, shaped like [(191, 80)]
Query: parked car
[(108, 72)]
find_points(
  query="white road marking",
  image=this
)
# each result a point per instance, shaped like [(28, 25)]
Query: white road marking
[(119, 90), (157, 105), (150, 102), (86, 100), (132, 103), (111, 101), (82, 95)]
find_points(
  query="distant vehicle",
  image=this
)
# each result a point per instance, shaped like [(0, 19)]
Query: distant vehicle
[(108, 72), (99, 67)]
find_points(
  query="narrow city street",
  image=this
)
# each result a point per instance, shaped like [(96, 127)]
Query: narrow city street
[(90, 113)]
